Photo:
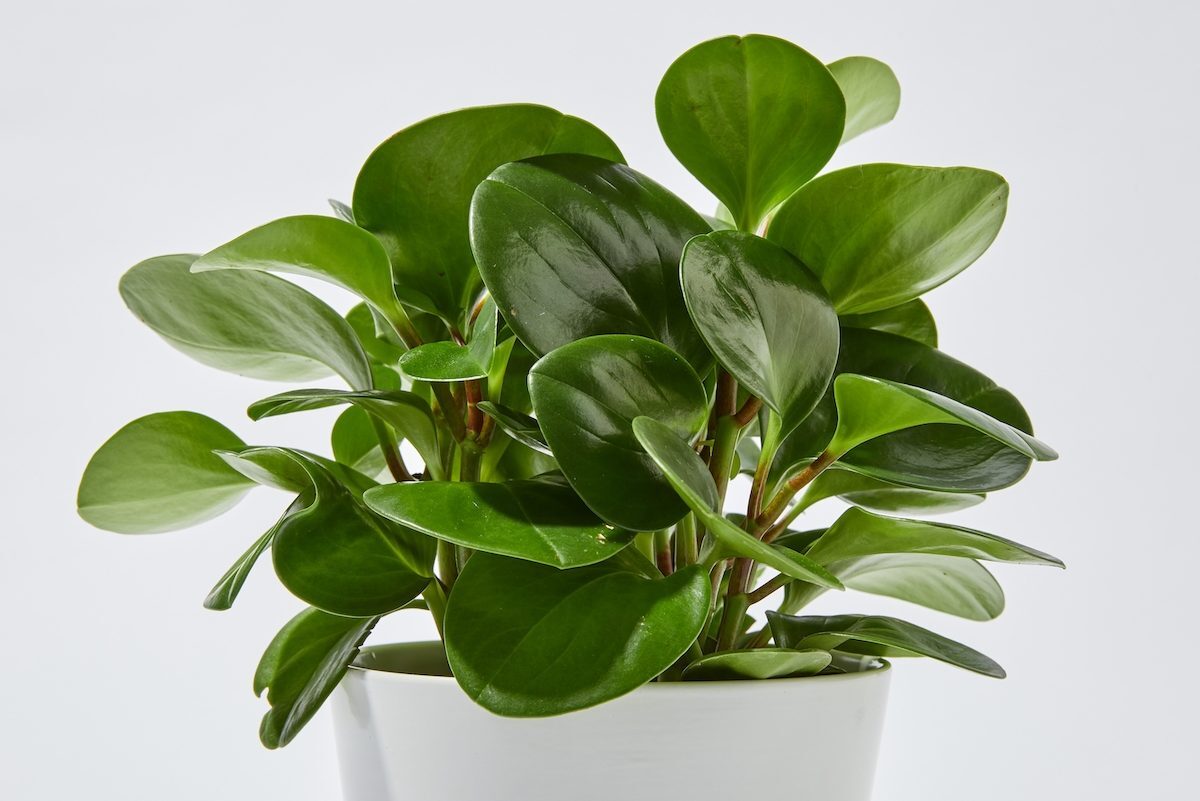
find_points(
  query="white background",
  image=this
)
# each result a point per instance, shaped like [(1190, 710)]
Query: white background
[(133, 129)]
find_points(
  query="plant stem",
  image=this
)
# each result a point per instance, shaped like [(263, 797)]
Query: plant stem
[(731, 624), (687, 548), (391, 454), (788, 491), (474, 394), (767, 589), (662, 552), (435, 596), (447, 561), (748, 411)]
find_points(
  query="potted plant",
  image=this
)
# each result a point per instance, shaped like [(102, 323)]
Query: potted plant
[(582, 364)]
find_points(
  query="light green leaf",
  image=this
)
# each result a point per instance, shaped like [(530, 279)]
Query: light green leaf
[(521, 427), (300, 668), (381, 348), (912, 320), (879, 235), (247, 323), (960, 587), (883, 496), (876, 636), (222, 596), (527, 640), (765, 317), (690, 478), (540, 521), (355, 442), (159, 473), (414, 192), (586, 395), (757, 663), (753, 118), (574, 246), (871, 90)]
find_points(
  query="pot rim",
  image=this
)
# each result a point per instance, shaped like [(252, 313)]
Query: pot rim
[(873, 667)]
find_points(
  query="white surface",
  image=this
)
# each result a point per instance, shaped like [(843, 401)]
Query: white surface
[(403, 737), (133, 129)]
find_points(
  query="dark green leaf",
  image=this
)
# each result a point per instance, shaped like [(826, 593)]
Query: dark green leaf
[(222, 596), (380, 347), (248, 323), (541, 521), (757, 663), (159, 473), (586, 395), (528, 640), (871, 90), (879, 235), (521, 427), (765, 317), (573, 246), (355, 442), (753, 118), (449, 361), (300, 668), (414, 192), (876, 636), (912, 320)]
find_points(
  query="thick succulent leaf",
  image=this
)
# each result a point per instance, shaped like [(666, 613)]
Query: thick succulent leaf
[(871, 635), (247, 323), (406, 412), (322, 247), (873, 407), (912, 320), (574, 246), (765, 317), (159, 473), (449, 361), (540, 521), (414, 192), (878, 235), (586, 395), (225, 592), (883, 496), (960, 587), (871, 90), (757, 663), (691, 479), (338, 555), (521, 427), (753, 118), (529, 640), (300, 668), (940, 457)]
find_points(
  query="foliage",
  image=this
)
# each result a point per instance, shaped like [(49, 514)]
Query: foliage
[(558, 367)]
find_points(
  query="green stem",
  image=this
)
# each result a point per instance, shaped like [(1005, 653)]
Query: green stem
[(731, 623), (391, 454), (435, 595), (447, 561), (769, 588), (779, 503), (687, 547)]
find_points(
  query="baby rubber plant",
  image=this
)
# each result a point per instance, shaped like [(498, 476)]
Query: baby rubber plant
[(555, 372)]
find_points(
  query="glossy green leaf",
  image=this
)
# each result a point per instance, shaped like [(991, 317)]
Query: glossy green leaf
[(883, 496), (225, 592), (586, 395), (871, 90), (876, 636), (338, 555), (355, 442), (753, 118), (442, 361), (159, 473), (300, 668), (521, 427), (342, 211), (380, 348), (912, 320), (872, 407), (414, 192), (312, 245), (248, 323), (960, 587), (879, 235), (406, 412), (528, 640), (573, 246), (757, 663), (765, 317), (689, 476), (540, 521), (954, 458)]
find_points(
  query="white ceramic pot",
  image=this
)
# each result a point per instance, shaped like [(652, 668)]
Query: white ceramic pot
[(406, 731)]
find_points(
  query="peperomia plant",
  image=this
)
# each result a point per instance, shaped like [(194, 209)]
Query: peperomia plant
[(581, 364)]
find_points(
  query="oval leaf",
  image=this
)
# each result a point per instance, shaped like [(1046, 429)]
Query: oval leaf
[(586, 395), (414, 192), (300, 668), (960, 587), (248, 323), (871, 90), (527, 640), (757, 663), (539, 521), (159, 473), (765, 317), (879, 235), (753, 118), (870, 635), (883, 496), (912, 320), (572, 246), (225, 592), (355, 442)]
